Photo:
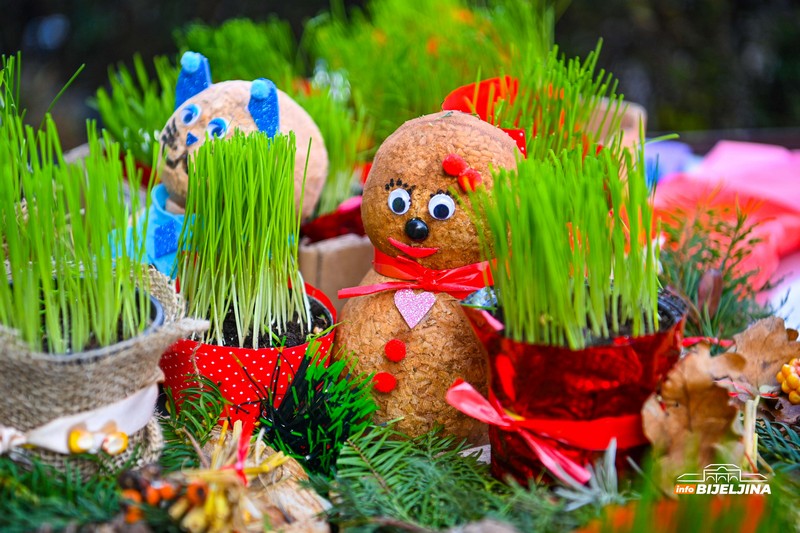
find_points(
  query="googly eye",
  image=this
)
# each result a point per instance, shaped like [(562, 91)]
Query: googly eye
[(190, 114), (441, 206), (399, 201), (217, 127)]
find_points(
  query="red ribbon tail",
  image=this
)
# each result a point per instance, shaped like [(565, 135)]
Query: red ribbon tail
[(466, 399), (556, 462), (364, 290)]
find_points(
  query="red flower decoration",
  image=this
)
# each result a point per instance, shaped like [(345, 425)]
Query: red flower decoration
[(454, 165), (481, 99), (468, 178)]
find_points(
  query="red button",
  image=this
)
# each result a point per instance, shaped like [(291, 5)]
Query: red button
[(395, 350), (384, 382)]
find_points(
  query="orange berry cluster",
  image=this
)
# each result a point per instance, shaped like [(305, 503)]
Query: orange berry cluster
[(789, 378), (147, 487)]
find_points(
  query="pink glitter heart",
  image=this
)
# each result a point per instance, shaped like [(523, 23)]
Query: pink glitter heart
[(413, 307)]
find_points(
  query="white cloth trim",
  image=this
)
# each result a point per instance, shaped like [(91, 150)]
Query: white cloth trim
[(127, 416)]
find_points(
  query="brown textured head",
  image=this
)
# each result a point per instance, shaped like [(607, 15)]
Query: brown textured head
[(408, 208), (224, 106)]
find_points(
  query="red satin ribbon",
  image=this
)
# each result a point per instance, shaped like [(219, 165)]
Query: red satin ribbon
[(459, 282), (691, 341), (586, 434)]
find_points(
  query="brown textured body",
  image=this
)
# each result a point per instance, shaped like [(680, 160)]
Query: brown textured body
[(440, 349), (442, 346)]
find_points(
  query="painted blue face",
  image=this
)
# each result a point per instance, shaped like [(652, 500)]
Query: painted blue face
[(211, 111)]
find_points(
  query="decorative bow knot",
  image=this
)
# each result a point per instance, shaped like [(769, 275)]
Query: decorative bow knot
[(539, 434), (10, 438), (459, 282)]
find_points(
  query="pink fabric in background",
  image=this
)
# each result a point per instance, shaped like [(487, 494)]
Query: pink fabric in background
[(752, 174)]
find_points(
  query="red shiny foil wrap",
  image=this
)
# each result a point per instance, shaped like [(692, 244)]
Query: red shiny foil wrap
[(551, 382), (243, 374)]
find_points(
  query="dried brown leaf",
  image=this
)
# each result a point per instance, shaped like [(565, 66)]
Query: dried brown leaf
[(766, 346), (692, 422), (781, 410)]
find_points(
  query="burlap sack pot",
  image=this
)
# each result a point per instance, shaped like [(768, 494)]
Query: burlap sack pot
[(36, 388)]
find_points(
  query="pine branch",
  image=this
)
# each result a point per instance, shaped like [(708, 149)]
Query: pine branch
[(322, 408), (709, 239), (188, 430), (387, 482), (40, 497), (779, 445)]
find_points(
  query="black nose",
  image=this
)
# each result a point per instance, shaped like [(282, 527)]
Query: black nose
[(416, 229)]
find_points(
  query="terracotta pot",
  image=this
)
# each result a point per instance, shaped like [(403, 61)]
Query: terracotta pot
[(574, 399), (243, 374)]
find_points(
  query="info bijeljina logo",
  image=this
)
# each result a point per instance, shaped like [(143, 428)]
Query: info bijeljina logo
[(722, 479)]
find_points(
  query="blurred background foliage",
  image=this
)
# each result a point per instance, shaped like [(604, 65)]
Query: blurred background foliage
[(693, 64)]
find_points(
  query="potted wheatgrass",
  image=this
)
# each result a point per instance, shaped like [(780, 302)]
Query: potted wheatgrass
[(238, 268), (580, 335), (82, 324), (564, 103)]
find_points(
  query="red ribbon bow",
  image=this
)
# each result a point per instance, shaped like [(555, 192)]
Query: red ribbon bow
[(459, 282), (539, 433)]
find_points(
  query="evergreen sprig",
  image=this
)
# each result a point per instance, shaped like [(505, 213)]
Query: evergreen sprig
[(39, 497), (561, 228), (323, 407), (200, 411), (241, 236), (72, 281), (779, 446), (713, 241), (386, 481), (136, 106)]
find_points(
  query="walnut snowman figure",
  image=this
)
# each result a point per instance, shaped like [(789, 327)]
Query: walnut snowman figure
[(404, 322)]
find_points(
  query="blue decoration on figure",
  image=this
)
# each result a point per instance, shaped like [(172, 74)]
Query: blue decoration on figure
[(195, 77), (161, 237), (165, 238), (164, 227), (263, 106)]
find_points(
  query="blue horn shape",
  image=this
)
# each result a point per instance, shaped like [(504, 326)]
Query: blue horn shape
[(263, 106), (194, 78)]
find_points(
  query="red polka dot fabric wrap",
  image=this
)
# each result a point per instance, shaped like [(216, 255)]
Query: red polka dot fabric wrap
[(244, 375), (550, 405)]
